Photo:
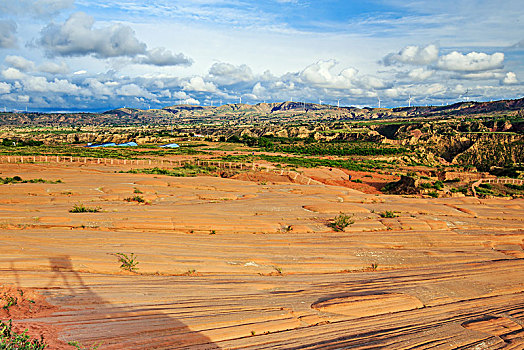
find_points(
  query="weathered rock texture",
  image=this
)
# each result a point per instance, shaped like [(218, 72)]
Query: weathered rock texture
[(447, 273)]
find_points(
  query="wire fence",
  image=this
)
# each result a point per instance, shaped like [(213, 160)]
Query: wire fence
[(161, 163), (495, 181)]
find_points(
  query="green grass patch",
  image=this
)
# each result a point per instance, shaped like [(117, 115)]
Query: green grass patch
[(388, 214), (357, 165), (187, 170), (101, 152), (515, 187), (18, 179), (80, 208)]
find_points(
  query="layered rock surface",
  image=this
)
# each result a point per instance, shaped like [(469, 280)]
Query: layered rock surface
[(233, 264)]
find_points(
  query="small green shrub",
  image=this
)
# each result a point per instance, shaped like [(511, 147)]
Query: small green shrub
[(9, 339), (340, 222), (358, 181), (433, 194), (461, 189), (388, 214), (80, 208), (137, 191), (127, 262), (137, 198), (486, 186), (438, 185)]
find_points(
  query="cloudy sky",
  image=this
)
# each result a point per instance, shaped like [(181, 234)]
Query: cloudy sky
[(94, 55)]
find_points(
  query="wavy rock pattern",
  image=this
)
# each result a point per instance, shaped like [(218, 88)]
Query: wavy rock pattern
[(448, 273)]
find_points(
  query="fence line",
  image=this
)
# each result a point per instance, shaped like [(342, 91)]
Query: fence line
[(495, 181), (162, 163)]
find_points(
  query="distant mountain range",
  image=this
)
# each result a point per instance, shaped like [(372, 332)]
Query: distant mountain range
[(460, 108), (261, 112)]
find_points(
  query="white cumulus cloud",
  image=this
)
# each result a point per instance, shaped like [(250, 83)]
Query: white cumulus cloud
[(54, 68), (198, 84), (320, 74), (12, 74), (413, 55), (161, 56), (41, 84), (420, 74), (510, 79), (5, 88), (20, 63), (228, 74), (134, 90), (77, 37), (98, 88), (471, 62)]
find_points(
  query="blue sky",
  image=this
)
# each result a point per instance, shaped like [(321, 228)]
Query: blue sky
[(99, 54)]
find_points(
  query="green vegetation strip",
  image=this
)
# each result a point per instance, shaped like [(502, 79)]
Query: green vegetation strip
[(315, 162), (187, 170), (342, 149), (102, 152), (18, 179), (515, 187)]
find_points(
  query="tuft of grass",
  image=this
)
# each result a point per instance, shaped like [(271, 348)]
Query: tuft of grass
[(213, 232), (9, 339), (80, 208), (80, 346), (137, 198), (374, 266), (190, 272), (388, 214), (278, 269), (341, 221), (127, 262), (9, 301), (137, 191)]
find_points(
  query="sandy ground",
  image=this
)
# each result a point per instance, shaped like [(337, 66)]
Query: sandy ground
[(233, 264)]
